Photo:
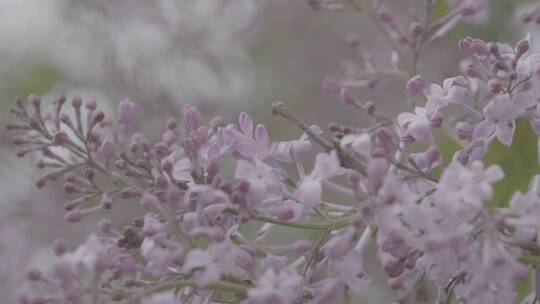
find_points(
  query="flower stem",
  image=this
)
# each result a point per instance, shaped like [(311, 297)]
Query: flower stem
[(218, 286), (333, 224)]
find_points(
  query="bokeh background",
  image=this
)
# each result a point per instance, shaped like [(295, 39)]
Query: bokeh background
[(225, 56)]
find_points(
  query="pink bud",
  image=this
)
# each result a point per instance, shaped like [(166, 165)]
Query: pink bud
[(394, 268), (59, 247), (217, 122), (495, 86), (339, 244), (76, 102), (18, 140), (150, 201), (415, 30), (106, 202), (315, 4), (376, 170), (61, 138), (331, 85), (105, 226), (465, 45), (522, 47), (35, 101), (471, 71), (33, 274), (480, 48), (107, 148), (91, 104), (89, 173), (464, 130), (369, 108), (126, 111), (98, 117), (347, 97), (302, 246), (436, 120), (191, 117), (283, 212), (433, 155), (172, 124), (73, 216), (415, 85), (384, 14)]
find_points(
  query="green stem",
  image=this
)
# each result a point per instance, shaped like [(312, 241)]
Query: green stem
[(373, 17), (530, 259), (219, 286), (333, 224)]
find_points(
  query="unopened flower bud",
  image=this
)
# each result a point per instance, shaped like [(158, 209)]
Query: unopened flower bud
[(436, 120), (433, 155), (415, 30), (172, 123), (376, 170), (480, 48), (59, 247), (464, 130), (18, 140), (495, 86), (106, 202), (33, 274), (522, 47), (91, 104), (61, 138), (105, 226), (191, 117), (347, 97), (98, 117), (302, 246), (331, 85), (465, 45), (415, 85), (126, 111), (369, 108), (73, 216), (76, 102), (384, 14), (89, 173), (217, 122), (471, 71)]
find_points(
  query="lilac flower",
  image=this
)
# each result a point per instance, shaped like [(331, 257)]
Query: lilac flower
[(350, 277), (263, 181), (211, 232), (248, 142), (501, 114), (521, 215), (94, 255), (309, 190), (277, 287), (159, 259), (452, 91), (416, 124), (208, 265), (493, 274)]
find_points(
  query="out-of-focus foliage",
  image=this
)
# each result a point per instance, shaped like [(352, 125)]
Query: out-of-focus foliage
[(519, 162)]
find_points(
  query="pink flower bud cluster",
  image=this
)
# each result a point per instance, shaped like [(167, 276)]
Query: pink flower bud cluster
[(215, 194)]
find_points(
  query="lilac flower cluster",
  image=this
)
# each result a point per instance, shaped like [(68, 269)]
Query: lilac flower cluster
[(204, 237)]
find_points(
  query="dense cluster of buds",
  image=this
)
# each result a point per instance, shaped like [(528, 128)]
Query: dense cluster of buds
[(206, 234)]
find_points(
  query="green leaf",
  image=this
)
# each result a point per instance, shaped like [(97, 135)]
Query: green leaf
[(524, 288), (447, 145), (519, 163)]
